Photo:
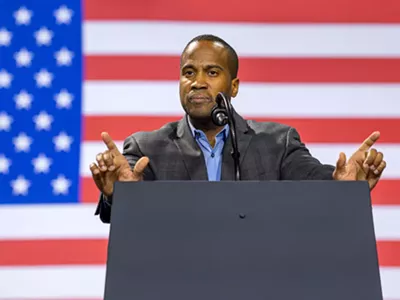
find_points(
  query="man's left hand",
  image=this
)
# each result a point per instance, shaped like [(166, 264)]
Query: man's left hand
[(364, 164)]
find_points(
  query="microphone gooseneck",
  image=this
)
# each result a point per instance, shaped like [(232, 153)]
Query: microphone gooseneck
[(222, 114)]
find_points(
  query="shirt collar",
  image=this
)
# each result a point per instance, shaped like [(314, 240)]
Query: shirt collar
[(197, 132)]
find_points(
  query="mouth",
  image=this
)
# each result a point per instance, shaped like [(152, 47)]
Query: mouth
[(199, 99)]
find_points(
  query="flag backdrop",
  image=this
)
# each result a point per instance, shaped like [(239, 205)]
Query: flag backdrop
[(70, 70)]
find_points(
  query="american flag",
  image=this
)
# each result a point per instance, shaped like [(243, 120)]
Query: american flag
[(72, 69)]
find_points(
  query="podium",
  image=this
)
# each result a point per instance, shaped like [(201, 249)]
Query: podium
[(272, 240)]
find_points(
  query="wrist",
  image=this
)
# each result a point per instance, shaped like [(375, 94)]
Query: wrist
[(107, 198)]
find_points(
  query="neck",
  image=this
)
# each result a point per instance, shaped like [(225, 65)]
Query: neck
[(208, 127)]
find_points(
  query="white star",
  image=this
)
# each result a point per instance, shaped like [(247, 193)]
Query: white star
[(62, 142), (5, 79), (64, 57), (23, 58), (20, 185), (23, 16), (22, 142), (63, 99), (5, 121), (41, 163), (43, 36), (23, 100), (60, 185), (5, 37), (43, 78), (63, 15), (43, 121), (4, 164)]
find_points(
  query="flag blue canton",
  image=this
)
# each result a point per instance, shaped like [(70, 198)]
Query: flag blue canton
[(40, 101)]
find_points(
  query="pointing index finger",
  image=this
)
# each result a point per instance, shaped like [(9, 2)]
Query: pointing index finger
[(370, 141), (109, 142)]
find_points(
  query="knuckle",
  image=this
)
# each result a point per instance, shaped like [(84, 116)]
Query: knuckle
[(95, 172), (370, 159), (381, 167)]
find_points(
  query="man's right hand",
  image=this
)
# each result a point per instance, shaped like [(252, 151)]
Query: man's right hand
[(112, 166)]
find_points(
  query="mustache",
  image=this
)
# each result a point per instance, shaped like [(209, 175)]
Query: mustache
[(200, 96)]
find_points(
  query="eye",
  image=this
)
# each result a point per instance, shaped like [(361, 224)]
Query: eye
[(213, 73), (188, 73)]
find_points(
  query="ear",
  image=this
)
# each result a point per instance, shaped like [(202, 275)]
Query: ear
[(235, 87)]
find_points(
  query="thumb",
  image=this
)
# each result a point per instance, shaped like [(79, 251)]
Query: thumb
[(140, 166), (341, 162)]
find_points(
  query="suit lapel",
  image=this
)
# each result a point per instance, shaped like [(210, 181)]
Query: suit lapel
[(243, 140), (190, 152), (227, 168)]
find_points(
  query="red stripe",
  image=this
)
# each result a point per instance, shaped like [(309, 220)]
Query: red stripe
[(94, 252), (389, 253), (311, 130), (53, 252), (297, 70), (89, 191), (385, 193), (117, 127), (319, 11), (132, 67)]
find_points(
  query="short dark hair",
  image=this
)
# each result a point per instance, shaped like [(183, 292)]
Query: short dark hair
[(233, 59)]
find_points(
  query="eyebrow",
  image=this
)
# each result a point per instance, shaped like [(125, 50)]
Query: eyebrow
[(209, 66), (214, 66)]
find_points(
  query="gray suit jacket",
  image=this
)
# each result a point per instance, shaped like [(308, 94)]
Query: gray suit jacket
[(269, 151)]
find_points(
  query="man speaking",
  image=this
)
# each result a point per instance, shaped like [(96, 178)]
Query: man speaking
[(194, 148)]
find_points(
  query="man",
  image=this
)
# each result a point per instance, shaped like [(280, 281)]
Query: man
[(195, 149)]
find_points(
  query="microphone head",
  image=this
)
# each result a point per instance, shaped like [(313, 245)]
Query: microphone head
[(219, 116)]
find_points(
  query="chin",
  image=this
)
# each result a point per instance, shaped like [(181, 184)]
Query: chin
[(200, 116), (200, 113)]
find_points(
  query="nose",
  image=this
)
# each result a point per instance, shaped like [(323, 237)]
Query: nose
[(199, 82)]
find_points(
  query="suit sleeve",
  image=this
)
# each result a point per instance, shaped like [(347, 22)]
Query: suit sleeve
[(132, 153), (299, 164)]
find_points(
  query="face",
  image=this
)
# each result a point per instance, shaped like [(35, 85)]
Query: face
[(204, 73)]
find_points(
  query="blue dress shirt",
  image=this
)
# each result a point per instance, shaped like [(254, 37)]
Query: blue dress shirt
[(212, 156)]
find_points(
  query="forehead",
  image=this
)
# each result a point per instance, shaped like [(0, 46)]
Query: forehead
[(203, 52)]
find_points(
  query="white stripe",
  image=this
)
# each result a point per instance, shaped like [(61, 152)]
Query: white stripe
[(169, 38), (55, 282), (386, 222), (60, 282), (275, 100), (326, 153), (390, 279), (51, 222), (54, 222)]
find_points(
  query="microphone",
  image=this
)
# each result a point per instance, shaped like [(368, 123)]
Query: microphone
[(222, 114), (219, 114)]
